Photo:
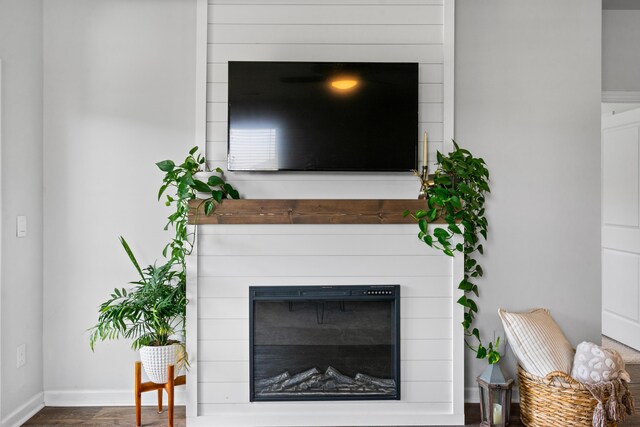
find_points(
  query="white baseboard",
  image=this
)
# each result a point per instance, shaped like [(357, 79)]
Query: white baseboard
[(24, 412), (120, 397), (471, 395)]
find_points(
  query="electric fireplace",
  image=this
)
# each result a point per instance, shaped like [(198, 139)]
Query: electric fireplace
[(324, 343)]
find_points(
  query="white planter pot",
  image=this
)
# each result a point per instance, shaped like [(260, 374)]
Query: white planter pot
[(156, 360)]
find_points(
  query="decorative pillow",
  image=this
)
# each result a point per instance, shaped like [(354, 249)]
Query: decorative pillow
[(537, 341), (594, 364)]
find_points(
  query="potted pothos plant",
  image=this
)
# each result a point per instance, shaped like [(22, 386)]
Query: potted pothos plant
[(152, 313), (456, 195), (182, 183)]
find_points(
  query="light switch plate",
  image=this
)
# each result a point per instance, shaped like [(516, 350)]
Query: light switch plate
[(21, 226), (22, 355)]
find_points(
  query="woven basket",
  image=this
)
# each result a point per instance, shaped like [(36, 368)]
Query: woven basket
[(555, 400)]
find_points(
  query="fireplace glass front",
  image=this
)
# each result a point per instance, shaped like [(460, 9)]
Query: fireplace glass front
[(324, 343)]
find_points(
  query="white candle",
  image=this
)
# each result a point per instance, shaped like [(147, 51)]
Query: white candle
[(425, 150), (497, 413)]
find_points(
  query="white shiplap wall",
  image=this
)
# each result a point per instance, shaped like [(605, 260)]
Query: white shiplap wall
[(325, 30), (230, 258)]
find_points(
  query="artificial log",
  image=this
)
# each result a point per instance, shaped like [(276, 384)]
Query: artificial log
[(380, 382)]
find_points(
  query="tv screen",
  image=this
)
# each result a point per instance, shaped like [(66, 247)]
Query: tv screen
[(321, 116)]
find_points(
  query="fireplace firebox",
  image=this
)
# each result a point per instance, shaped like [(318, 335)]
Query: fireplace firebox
[(324, 343)]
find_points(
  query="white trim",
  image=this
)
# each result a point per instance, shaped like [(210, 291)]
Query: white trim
[(24, 412), (448, 125), (620, 96), (458, 335), (118, 397), (344, 419), (201, 77), (192, 327), (0, 235)]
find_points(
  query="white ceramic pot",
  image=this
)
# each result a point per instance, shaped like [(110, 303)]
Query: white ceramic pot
[(156, 360)]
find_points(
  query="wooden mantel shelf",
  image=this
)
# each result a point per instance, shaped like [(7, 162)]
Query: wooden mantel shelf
[(307, 211)]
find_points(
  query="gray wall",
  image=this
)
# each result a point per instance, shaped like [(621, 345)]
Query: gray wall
[(528, 101), (119, 95), (21, 55), (620, 53)]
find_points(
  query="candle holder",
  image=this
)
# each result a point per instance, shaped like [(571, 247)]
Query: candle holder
[(426, 181)]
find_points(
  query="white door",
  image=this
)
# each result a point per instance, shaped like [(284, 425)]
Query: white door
[(621, 227)]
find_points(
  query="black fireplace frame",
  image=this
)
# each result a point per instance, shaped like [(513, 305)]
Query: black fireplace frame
[(326, 293)]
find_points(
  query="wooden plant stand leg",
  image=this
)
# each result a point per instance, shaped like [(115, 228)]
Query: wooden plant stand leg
[(169, 386), (138, 391), (141, 387)]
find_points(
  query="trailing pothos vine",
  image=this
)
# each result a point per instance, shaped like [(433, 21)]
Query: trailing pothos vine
[(457, 196), (184, 183)]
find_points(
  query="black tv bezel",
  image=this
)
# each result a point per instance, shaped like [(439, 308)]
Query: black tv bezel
[(332, 170)]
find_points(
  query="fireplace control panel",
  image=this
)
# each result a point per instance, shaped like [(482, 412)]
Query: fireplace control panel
[(329, 293), (378, 293)]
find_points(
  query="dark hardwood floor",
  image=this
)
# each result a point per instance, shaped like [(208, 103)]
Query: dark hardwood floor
[(103, 416), (125, 416)]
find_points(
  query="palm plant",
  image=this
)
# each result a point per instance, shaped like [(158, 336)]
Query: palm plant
[(151, 313)]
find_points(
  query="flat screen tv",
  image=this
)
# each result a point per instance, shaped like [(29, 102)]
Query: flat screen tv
[(323, 116)]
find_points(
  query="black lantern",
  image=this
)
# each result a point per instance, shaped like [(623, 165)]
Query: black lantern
[(495, 397)]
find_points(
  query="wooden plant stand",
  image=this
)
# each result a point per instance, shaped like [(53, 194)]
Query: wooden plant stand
[(141, 387)]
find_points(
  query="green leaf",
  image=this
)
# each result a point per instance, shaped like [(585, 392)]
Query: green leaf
[(423, 225), (455, 228), (420, 213), (215, 181), (166, 165), (465, 285), (208, 207), (406, 213), (161, 191), (455, 201), (443, 180), (217, 195), (494, 357), (201, 186), (481, 353), (463, 301), (183, 190), (132, 257), (193, 150), (440, 232)]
